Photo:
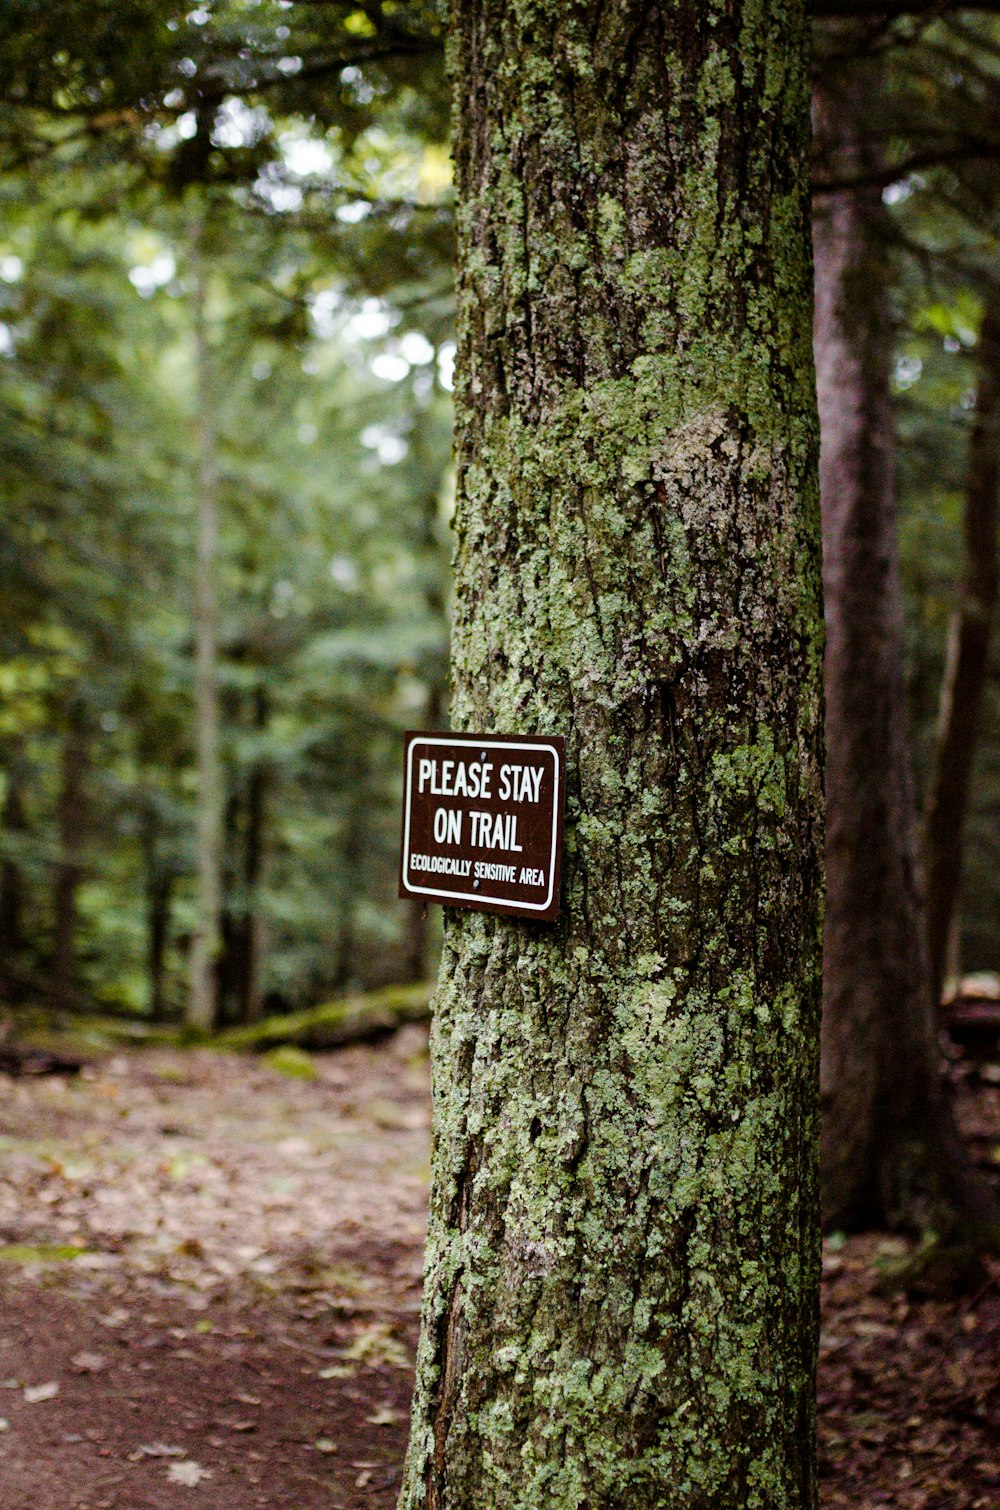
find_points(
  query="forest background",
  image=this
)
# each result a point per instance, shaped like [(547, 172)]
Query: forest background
[(225, 363)]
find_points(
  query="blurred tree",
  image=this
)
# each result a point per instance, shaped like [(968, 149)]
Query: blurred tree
[(970, 640), (891, 1152)]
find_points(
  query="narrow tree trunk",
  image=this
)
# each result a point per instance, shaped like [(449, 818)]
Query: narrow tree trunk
[(251, 943), (227, 960), (159, 887), (621, 1286), (351, 857), (891, 1155), (967, 665), (13, 822), (69, 870), (202, 1007)]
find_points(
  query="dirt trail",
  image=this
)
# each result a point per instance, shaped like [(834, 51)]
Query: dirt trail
[(219, 1267), (211, 1274)]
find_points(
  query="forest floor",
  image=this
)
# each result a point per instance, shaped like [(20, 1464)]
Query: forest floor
[(211, 1280)]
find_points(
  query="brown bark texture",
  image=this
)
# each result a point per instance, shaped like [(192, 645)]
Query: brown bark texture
[(891, 1154), (968, 660), (621, 1286)]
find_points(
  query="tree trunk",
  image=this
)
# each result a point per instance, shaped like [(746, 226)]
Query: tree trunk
[(202, 1008), (967, 665), (250, 997), (352, 852), (621, 1288), (159, 888), (69, 870), (14, 824), (891, 1156)]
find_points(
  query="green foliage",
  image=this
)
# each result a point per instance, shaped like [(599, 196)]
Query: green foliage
[(305, 147)]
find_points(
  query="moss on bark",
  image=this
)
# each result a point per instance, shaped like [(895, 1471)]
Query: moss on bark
[(622, 1261)]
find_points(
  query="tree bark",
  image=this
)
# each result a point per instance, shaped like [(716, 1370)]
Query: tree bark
[(891, 1155), (967, 666), (621, 1289), (202, 1007)]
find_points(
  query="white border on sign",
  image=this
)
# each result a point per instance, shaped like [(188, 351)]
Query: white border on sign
[(475, 896)]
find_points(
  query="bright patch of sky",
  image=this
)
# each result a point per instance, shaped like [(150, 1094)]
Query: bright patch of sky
[(323, 307), (236, 125), (147, 277), (908, 370), (11, 268), (390, 367), (446, 365), (353, 211), (7, 343), (305, 157), (371, 322), (415, 348), (388, 446), (276, 194), (897, 192), (358, 84), (344, 572)]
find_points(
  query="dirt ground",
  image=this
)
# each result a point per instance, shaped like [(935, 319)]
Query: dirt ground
[(211, 1277)]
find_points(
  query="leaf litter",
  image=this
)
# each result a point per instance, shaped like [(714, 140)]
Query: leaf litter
[(247, 1252)]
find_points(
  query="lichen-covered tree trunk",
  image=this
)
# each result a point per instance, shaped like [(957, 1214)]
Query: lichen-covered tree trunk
[(891, 1155), (622, 1260), (967, 666)]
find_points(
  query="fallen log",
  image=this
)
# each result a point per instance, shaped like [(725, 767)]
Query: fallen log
[(18, 1059), (355, 1019)]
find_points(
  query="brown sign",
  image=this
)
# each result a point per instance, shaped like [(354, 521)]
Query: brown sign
[(482, 821)]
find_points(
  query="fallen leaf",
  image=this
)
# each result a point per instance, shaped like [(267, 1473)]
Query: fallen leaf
[(189, 1473), (325, 1445), (89, 1363), (157, 1450), (4, 1425), (34, 1394), (384, 1416)]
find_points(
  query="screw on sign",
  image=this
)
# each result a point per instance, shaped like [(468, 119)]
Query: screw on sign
[(482, 821)]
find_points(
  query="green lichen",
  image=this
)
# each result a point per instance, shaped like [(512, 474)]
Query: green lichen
[(621, 1264)]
